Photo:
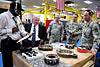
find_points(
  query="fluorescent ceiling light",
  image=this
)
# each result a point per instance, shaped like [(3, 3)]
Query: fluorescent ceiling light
[(54, 0), (53, 12), (71, 4), (88, 2), (43, 4), (84, 8), (64, 11), (69, 12), (36, 6), (64, 14)]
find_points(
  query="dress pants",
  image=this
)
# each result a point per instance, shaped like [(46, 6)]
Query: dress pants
[(7, 46)]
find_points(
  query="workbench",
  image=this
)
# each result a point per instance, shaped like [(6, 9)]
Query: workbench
[(74, 62)]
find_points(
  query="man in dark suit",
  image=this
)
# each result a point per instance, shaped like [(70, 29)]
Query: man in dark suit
[(39, 33)]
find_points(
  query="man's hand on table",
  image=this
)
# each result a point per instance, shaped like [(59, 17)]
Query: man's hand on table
[(41, 41), (93, 52)]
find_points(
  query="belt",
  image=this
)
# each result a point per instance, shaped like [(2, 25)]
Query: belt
[(9, 39), (35, 41), (74, 35)]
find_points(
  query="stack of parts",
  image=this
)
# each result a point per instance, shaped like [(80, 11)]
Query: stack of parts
[(32, 55), (39, 61)]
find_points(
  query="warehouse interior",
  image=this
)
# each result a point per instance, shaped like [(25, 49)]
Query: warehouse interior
[(64, 51)]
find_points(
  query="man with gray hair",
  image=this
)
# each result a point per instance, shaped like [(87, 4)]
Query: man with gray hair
[(55, 31), (39, 32)]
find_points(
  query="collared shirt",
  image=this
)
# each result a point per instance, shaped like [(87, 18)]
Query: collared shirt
[(37, 31), (74, 26), (7, 24), (55, 28), (91, 35)]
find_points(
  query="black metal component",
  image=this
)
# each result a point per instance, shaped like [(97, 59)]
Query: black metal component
[(51, 59), (66, 53), (69, 46), (39, 61), (25, 49), (28, 54), (34, 54), (45, 47)]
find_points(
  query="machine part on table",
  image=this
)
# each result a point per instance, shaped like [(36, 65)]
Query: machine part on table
[(69, 46), (30, 55), (51, 59), (39, 62), (66, 53), (25, 49), (82, 49), (45, 47)]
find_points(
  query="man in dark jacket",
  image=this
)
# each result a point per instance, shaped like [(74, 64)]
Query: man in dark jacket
[(39, 33)]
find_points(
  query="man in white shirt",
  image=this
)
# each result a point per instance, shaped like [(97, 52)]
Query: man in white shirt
[(10, 30)]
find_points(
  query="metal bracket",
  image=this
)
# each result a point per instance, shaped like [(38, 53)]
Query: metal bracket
[(66, 53), (45, 47), (69, 46)]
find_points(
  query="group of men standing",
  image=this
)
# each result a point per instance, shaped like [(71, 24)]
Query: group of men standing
[(11, 28), (55, 31), (88, 32)]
